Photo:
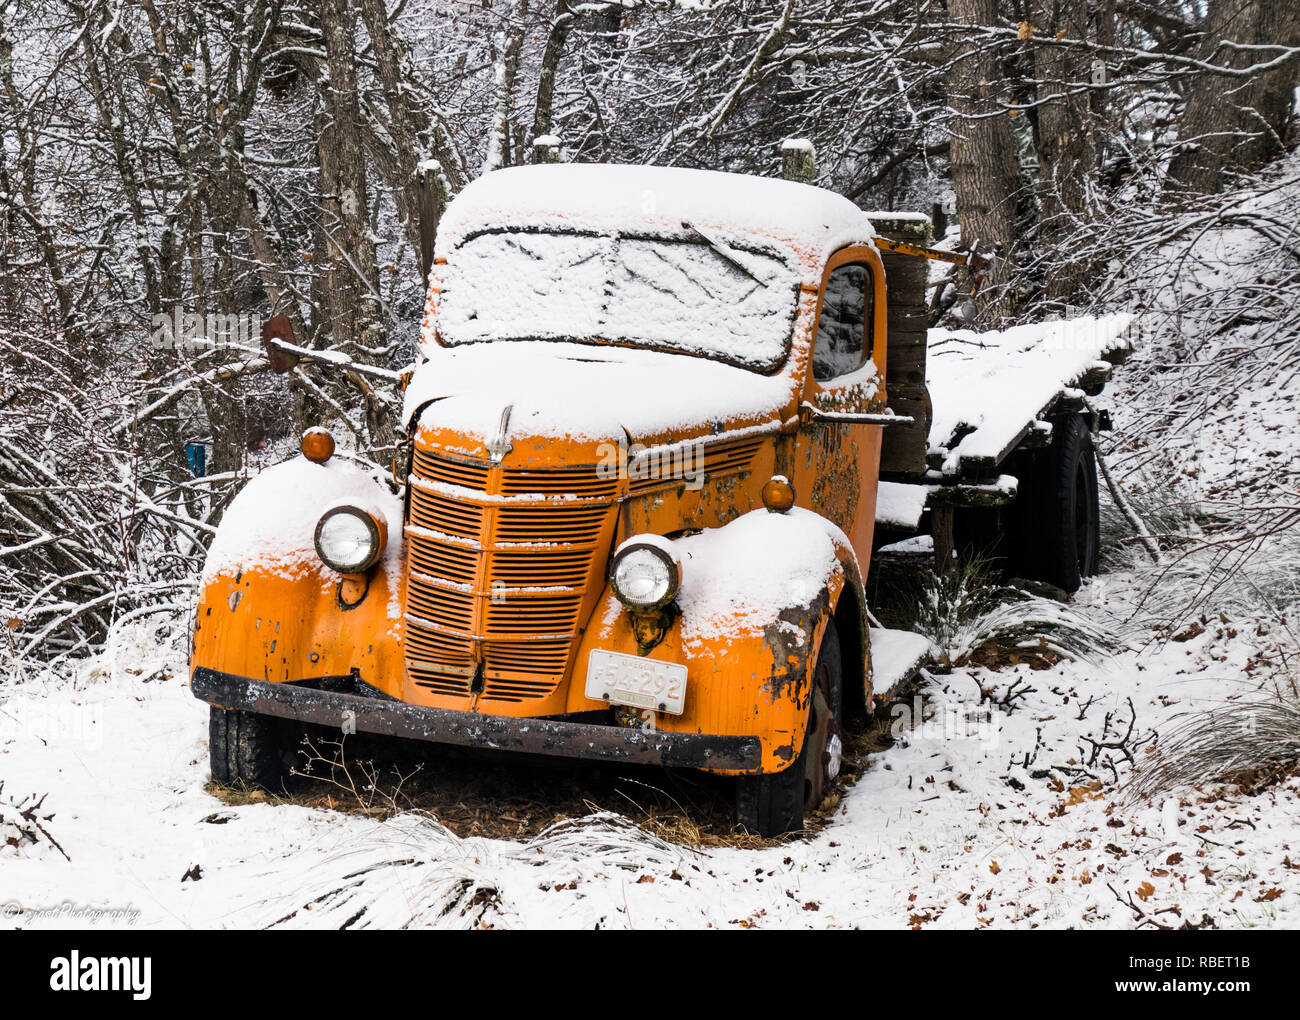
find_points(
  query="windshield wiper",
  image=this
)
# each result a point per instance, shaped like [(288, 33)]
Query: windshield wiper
[(726, 251)]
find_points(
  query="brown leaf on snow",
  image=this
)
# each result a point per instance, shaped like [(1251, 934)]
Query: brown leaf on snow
[(1193, 631), (644, 879), (1174, 858), (1145, 891), (1268, 896), (1089, 791), (993, 867)]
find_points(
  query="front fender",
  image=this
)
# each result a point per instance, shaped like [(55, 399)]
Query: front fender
[(756, 596), (269, 608)]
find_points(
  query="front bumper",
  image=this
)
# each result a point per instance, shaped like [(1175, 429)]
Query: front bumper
[(474, 729)]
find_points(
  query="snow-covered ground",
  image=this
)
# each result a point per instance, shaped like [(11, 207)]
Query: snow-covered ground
[(975, 817)]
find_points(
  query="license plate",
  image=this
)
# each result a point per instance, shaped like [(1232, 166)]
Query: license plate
[(640, 683)]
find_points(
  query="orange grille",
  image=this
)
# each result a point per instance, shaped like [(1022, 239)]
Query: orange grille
[(574, 481), (432, 648), (534, 615), (719, 458), (436, 604), (454, 563), (499, 580), (449, 470), (538, 568), (558, 523), (441, 513)]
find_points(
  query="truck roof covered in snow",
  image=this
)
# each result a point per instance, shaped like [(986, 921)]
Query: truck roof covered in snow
[(807, 221)]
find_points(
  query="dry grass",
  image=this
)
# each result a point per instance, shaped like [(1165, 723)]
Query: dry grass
[(518, 797), (1249, 745)]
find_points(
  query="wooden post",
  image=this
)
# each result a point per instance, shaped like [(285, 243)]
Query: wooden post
[(798, 160), (547, 149), (903, 447), (941, 521), (431, 187)]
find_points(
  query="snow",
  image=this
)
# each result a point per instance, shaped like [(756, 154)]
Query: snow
[(664, 545), (896, 655), (934, 834), (900, 505), (805, 222), (915, 545), (726, 587), (666, 294), (588, 393), (996, 383)]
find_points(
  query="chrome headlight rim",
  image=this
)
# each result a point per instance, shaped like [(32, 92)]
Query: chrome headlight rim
[(375, 527), (670, 563)]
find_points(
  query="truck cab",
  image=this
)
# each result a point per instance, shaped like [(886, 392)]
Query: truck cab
[(634, 511)]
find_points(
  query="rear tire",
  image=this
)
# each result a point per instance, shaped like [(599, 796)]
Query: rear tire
[(1059, 512), (776, 803), (245, 748)]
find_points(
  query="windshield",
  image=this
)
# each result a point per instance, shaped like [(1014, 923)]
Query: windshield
[(694, 295)]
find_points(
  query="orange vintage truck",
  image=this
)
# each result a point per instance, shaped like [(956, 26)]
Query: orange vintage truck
[(643, 456)]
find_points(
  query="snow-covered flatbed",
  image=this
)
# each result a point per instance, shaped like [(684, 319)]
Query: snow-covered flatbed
[(990, 390)]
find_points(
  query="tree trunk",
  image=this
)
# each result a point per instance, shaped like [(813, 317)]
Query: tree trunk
[(356, 319), (1235, 124), (1066, 137), (985, 168)]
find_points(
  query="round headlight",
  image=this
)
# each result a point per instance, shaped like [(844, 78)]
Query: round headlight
[(644, 575), (349, 539)]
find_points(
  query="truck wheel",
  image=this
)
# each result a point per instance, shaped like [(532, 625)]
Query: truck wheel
[(1063, 529), (245, 748), (773, 804)]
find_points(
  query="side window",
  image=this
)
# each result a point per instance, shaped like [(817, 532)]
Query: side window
[(844, 330)]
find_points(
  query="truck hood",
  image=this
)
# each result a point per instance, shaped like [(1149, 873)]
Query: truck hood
[(589, 393)]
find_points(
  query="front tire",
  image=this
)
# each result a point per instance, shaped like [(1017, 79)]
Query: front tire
[(776, 803), (244, 748)]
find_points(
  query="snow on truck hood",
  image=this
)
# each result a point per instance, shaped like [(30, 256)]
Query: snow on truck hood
[(584, 392), (809, 222)]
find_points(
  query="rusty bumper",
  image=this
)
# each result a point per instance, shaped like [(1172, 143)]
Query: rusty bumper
[(474, 729)]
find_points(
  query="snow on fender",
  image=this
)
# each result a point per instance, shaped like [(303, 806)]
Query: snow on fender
[(749, 575), (270, 609), (271, 524)]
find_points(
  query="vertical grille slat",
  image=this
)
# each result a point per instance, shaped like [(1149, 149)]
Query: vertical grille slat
[(496, 580)]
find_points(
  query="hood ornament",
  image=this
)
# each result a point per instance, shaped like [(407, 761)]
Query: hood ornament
[(499, 445)]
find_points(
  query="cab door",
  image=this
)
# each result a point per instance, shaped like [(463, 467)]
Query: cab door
[(837, 459)]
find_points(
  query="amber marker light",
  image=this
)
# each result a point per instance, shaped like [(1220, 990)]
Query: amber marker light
[(778, 494), (317, 445)]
